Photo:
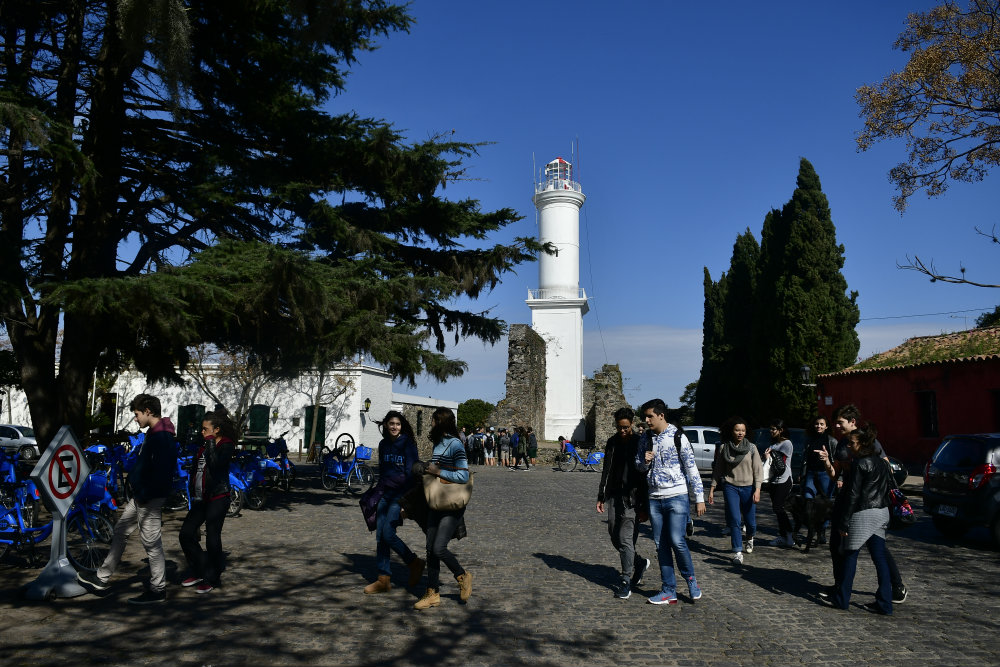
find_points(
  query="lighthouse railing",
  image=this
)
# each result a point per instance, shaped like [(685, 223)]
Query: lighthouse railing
[(557, 293), (558, 184)]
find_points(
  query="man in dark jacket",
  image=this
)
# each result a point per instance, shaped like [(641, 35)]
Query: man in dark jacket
[(151, 482), (623, 488)]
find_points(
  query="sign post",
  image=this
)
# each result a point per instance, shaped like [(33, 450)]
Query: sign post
[(59, 474)]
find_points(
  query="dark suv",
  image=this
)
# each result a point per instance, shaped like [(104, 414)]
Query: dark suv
[(962, 484)]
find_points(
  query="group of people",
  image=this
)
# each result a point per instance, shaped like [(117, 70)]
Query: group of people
[(400, 492), (501, 448), (152, 481), (651, 473)]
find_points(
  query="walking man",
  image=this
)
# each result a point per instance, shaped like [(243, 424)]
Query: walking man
[(151, 481), (623, 488), (666, 456)]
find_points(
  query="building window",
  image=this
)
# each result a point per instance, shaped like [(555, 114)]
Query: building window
[(420, 422), (927, 413)]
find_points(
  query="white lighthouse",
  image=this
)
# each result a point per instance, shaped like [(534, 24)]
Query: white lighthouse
[(559, 304)]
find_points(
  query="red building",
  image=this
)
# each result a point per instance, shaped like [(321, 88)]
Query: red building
[(926, 388)]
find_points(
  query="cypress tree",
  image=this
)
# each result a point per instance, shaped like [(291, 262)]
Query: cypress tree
[(738, 325), (803, 312), (713, 353)]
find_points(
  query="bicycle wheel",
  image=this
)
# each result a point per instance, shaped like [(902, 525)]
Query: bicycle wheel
[(345, 445), (567, 462), (255, 498), (359, 480), (235, 503), (596, 466), (329, 480), (88, 540)]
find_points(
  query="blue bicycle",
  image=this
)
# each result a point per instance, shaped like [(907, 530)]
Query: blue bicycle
[(346, 467), (568, 459), (88, 533)]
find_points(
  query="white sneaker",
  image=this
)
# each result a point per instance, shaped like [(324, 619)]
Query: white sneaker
[(738, 558), (748, 545)]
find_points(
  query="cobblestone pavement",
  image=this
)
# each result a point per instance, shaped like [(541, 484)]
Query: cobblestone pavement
[(542, 566)]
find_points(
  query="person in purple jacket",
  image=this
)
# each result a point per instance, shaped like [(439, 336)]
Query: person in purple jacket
[(397, 452)]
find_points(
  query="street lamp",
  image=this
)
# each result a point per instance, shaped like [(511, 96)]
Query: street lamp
[(368, 404), (806, 376)]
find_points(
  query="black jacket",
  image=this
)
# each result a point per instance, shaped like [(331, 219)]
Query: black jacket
[(154, 471), (620, 476), (814, 443), (215, 481), (865, 488)]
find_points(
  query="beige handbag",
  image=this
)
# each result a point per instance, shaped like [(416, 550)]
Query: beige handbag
[(445, 496)]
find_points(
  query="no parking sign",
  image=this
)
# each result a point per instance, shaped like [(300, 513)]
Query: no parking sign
[(60, 472)]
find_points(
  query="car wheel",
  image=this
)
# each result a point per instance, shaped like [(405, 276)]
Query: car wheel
[(27, 453), (952, 528)]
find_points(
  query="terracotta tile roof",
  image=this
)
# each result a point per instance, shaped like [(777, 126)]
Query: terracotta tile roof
[(960, 346)]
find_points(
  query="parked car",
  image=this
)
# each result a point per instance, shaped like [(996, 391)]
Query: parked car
[(762, 438), (899, 472), (962, 484), (703, 441), (20, 439)]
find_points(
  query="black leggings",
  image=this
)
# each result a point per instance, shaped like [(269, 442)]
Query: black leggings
[(213, 514), (779, 493), (440, 529)]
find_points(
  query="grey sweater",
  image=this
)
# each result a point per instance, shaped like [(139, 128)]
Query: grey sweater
[(746, 472)]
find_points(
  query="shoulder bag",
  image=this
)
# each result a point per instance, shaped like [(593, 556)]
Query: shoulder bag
[(445, 496)]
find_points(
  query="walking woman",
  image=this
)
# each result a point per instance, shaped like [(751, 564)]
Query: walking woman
[(860, 519), (448, 462), (738, 469), (397, 452), (780, 484), (209, 486)]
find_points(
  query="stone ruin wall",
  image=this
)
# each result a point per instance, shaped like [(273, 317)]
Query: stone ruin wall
[(602, 396), (524, 403)]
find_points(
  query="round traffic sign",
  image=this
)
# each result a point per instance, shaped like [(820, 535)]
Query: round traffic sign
[(64, 471)]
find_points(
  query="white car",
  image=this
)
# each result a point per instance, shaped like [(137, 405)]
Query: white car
[(20, 440), (703, 441)]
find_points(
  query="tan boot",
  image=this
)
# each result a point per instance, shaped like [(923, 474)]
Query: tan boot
[(464, 586), (431, 598), (416, 571), (380, 585)]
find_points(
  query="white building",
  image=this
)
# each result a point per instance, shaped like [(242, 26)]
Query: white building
[(344, 392), (559, 303)]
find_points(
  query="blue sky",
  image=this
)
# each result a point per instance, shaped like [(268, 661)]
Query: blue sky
[(691, 120)]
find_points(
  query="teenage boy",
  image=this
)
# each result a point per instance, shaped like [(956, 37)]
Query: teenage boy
[(623, 488), (666, 456), (151, 481), (846, 420)]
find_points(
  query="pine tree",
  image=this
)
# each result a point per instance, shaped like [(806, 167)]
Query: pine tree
[(173, 174)]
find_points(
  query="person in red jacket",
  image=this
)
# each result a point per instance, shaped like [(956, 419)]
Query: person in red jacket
[(210, 490)]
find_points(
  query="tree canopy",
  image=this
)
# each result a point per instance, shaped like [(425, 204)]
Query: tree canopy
[(473, 413), (945, 103), (784, 305), (180, 173)]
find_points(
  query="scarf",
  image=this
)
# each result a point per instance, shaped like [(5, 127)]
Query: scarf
[(733, 453)]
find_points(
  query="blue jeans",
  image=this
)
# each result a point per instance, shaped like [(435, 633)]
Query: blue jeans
[(387, 518), (883, 596), (740, 507), (672, 514), (817, 480)]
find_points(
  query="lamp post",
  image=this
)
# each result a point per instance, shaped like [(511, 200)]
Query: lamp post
[(806, 376), (368, 405)]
